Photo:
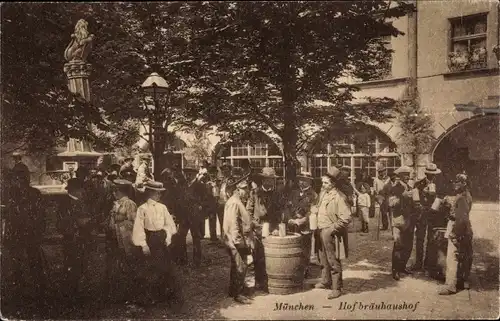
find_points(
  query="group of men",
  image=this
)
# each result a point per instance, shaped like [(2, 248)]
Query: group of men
[(413, 211), (141, 216)]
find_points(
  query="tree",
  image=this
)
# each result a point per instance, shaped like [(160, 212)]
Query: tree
[(38, 111), (417, 133), (276, 60)]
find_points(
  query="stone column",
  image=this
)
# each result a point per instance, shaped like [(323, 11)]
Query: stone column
[(78, 71)]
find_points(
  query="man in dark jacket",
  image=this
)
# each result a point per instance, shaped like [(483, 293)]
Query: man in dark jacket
[(266, 205), (25, 224), (76, 227), (424, 223)]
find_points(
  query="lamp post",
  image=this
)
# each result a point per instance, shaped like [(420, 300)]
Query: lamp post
[(154, 86)]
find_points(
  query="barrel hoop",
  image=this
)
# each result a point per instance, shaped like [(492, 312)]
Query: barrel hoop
[(297, 255), (282, 277)]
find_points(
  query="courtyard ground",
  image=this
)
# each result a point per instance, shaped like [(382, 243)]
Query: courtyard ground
[(367, 280)]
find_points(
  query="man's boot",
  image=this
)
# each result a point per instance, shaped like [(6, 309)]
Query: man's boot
[(336, 286)]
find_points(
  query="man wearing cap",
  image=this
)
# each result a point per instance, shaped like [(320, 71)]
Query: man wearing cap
[(334, 215), (401, 208), (119, 229), (424, 220), (153, 230), (378, 186), (237, 237), (266, 206), (24, 221), (459, 234)]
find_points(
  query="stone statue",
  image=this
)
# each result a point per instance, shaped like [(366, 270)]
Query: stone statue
[(81, 43)]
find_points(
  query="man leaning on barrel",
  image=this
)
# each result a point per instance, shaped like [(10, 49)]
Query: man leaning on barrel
[(334, 215)]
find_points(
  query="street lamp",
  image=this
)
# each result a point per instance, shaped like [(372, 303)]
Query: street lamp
[(154, 86)]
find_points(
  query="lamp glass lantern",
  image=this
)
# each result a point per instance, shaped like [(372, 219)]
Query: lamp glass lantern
[(155, 85)]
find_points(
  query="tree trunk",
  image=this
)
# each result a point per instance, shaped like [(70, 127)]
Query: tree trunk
[(289, 138)]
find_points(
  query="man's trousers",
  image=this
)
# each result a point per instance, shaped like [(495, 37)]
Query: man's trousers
[(458, 262), (331, 266), (238, 270)]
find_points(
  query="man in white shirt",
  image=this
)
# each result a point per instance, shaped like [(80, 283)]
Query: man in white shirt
[(153, 230)]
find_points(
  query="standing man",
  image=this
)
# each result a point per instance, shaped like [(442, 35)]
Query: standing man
[(143, 172), (214, 184), (226, 170), (334, 215), (76, 227), (19, 166), (25, 224), (401, 208), (236, 229), (424, 223), (299, 210), (378, 185), (459, 234), (194, 215), (266, 206)]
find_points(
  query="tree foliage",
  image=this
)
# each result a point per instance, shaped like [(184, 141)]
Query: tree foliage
[(275, 60), (417, 133), (37, 107)]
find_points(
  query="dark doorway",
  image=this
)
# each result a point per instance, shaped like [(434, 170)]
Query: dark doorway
[(472, 148)]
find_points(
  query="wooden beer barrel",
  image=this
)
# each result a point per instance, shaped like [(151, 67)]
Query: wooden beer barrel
[(285, 264), (437, 254)]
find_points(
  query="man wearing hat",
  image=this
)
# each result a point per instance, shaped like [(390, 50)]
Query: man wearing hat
[(19, 166), (267, 205), (459, 234), (153, 230), (237, 236), (200, 203), (301, 199), (334, 215), (143, 172), (378, 186), (424, 222), (401, 207)]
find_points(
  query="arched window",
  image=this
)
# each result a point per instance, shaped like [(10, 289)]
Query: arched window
[(260, 150), (362, 150)]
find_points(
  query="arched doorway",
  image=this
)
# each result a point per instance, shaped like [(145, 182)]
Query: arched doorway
[(258, 148), (363, 148), (472, 147)]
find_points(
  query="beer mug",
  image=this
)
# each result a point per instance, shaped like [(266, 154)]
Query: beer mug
[(437, 204), (416, 195), (282, 230), (265, 229), (313, 222)]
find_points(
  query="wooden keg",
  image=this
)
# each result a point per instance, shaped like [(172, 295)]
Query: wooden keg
[(285, 264), (436, 257)]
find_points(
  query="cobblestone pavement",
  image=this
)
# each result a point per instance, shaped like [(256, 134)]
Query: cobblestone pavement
[(367, 280)]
